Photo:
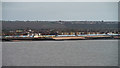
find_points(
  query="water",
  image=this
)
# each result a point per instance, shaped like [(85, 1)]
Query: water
[(61, 53), (0, 54)]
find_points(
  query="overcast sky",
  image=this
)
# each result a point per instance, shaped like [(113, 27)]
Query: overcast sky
[(107, 11)]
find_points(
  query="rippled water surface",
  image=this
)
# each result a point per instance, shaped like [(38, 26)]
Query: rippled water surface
[(61, 53)]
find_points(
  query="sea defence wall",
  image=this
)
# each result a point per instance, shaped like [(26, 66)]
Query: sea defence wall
[(61, 53)]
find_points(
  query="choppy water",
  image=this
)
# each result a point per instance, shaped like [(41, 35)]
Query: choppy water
[(61, 53)]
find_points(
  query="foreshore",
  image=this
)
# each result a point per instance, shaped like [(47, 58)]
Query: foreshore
[(60, 38)]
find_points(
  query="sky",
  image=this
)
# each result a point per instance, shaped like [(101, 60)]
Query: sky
[(47, 11), (60, 0)]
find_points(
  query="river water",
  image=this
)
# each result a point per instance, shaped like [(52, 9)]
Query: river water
[(61, 53)]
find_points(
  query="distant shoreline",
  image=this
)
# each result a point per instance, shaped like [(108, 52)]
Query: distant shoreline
[(61, 38)]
